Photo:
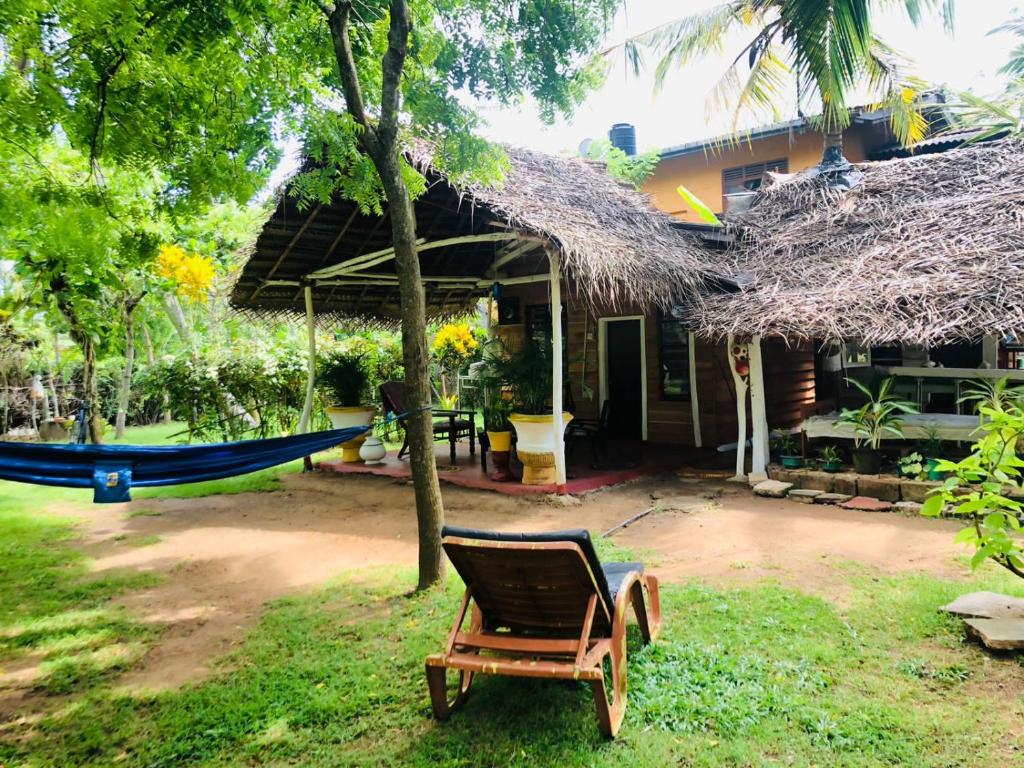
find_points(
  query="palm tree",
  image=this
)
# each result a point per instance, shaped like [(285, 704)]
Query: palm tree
[(825, 48)]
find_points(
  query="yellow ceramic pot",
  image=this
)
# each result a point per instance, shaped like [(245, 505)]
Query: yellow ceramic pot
[(501, 442), (535, 445), (342, 417)]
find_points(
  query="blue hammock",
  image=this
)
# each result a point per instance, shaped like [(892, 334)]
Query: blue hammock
[(112, 470)]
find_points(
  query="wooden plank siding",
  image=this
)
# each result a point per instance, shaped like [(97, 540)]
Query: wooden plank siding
[(789, 374)]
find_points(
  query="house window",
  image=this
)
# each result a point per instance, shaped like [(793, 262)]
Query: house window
[(856, 355), (748, 178), (673, 358), (538, 330)]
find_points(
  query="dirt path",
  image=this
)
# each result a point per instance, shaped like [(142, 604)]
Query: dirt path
[(225, 556)]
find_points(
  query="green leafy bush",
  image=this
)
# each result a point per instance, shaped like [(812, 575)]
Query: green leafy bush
[(343, 375)]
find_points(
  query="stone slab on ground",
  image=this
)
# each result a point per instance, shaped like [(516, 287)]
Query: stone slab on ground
[(773, 488), (804, 495), (867, 504), (998, 634), (907, 507), (916, 490), (879, 487), (986, 605), (832, 498)]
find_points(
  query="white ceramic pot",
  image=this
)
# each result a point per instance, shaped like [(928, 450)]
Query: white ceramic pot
[(372, 450), (535, 445)]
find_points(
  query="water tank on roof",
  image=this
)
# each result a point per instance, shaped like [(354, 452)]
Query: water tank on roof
[(623, 136)]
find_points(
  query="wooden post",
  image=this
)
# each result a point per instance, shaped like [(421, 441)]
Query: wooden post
[(694, 403), (741, 413), (307, 405), (758, 412), (990, 351), (556, 369)]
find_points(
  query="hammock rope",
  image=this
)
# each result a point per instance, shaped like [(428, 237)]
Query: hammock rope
[(112, 470)]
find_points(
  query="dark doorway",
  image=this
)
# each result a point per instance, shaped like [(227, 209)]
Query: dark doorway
[(624, 378)]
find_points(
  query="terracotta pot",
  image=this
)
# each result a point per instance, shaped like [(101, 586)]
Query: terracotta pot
[(344, 416), (500, 471), (535, 445)]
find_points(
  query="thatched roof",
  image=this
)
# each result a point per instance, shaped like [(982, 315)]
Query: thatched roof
[(614, 245), (926, 250)]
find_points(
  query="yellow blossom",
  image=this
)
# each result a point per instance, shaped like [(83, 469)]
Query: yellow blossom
[(192, 274)]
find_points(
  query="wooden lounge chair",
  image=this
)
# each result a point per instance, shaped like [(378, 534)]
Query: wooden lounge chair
[(543, 606)]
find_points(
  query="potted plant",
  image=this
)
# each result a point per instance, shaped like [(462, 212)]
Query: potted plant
[(828, 459), (497, 410), (877, 418), (912, 466), (931, 448), (344, 377), (786, 448), (527, 373)]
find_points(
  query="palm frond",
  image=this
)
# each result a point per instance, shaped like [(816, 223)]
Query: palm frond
[(897, 90), (757, 93)]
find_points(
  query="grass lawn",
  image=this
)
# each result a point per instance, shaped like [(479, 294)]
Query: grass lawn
[(757, 676)]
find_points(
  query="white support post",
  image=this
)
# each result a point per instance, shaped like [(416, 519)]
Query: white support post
[(307, 405), (741, 413), (556, 370), (694, 403), (758, 411)]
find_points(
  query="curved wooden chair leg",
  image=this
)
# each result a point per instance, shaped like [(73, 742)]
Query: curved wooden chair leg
[(438, 686), (647, 607), (610, 714)]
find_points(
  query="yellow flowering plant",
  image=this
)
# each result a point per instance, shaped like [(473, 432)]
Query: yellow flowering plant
[(454, 345), (191, 273)]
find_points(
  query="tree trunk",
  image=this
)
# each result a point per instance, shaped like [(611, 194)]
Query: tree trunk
[(90, 384), (125, 391), (833, 154), (177, 317), (416, 357), (380, 141), (147, 342)]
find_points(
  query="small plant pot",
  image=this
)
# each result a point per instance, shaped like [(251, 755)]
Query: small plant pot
[(792, 462), (933, 473), (867, 461), (830, 466), (501, 442)]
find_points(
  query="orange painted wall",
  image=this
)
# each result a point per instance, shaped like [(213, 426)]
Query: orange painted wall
[(702, 172)]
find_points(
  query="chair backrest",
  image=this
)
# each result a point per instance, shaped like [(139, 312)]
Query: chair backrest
[(393, 396), (534, 582)]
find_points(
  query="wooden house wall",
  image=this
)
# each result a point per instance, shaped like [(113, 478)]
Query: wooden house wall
[(789, 374)]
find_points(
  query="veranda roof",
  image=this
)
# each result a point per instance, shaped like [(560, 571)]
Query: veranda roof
[(614, 245), (926, 250)]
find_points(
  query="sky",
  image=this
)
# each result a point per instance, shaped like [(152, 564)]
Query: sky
[(967, 60)]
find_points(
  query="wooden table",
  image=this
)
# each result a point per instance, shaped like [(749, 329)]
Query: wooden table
[(453, 416)]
